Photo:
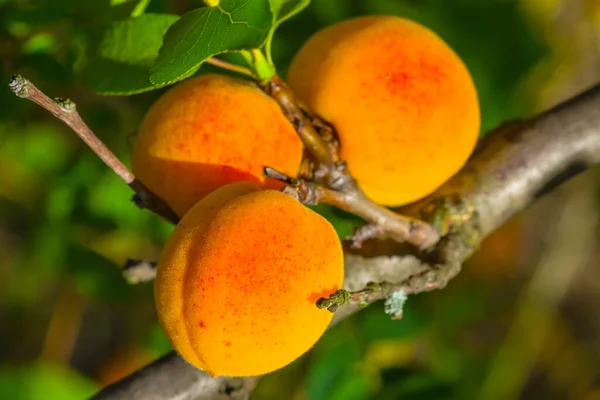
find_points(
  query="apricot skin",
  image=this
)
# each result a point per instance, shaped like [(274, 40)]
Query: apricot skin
[(209, 131), (403, 103), (238, 280)]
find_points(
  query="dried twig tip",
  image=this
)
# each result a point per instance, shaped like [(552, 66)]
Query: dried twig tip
[(280, 176), (19, 85)]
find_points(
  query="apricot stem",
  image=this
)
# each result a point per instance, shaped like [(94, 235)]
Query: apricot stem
[(65, 110), (231, 67), (319, 150)]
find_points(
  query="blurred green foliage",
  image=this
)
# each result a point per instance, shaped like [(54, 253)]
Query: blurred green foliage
[(67, 220), (42, 380)]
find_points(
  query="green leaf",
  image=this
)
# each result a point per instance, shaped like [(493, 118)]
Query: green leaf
[(127, 52), (286, 9), (136, 41), (205, 32), (117, 79)]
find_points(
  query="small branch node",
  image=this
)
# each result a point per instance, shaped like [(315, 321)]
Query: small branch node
[(448, 212), (65, 103), (137, 200), (333, 302)]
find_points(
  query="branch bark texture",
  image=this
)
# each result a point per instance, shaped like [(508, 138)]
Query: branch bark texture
[(514, 166), (523, 160)]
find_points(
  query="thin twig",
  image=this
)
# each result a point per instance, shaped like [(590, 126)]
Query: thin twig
[(65, 110)]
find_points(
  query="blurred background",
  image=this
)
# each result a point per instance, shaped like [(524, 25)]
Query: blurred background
[(518, 323)]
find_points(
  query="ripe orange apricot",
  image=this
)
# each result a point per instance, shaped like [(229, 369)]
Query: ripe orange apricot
[(209, 131), (403, 103), (238, 279)]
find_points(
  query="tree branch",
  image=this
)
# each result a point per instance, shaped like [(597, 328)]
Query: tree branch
[(523, 160), (65, 110), (512, 168), (170, 377)]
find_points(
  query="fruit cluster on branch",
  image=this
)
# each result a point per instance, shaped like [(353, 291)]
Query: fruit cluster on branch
[(379, 112)]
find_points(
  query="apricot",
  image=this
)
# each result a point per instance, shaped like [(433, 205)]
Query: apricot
[(239, 277), (209, 131), (403, 103)]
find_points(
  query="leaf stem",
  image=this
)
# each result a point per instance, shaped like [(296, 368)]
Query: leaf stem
[(268, 50), (231, 67)]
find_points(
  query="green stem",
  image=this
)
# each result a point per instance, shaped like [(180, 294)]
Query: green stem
[(140, 8), (259, 64), (231, 67), (268, 51)]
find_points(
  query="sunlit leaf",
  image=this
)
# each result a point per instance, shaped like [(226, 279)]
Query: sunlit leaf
[(208, 31), (127, 51), (286, 9)]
